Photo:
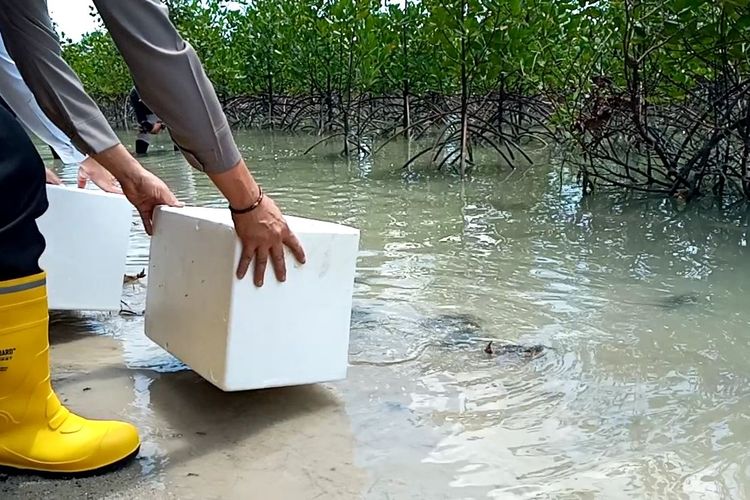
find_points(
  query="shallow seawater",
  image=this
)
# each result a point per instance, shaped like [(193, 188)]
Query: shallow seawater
[(642, 389)]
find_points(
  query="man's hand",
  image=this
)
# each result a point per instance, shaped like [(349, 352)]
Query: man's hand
[(144, 190), (51, 177), (91, 170), (263, 233)]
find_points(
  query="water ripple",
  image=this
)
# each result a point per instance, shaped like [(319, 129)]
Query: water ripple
[(642, 391)]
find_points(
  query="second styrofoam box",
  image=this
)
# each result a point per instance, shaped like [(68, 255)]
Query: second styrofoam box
[(239, 336), (86, 234)]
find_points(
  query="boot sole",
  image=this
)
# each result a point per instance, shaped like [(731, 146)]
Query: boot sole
[(105, 469)]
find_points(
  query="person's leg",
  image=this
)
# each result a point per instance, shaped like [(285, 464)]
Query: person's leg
[(23, 198), (142, 142), (37, 433)]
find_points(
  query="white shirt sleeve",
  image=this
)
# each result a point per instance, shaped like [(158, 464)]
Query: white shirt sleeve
[(21, 101)]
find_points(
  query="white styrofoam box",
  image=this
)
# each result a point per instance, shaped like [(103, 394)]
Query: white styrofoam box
[(86, 234), (234, 334)]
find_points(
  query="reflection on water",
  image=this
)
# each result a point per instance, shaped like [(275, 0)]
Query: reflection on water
[(644, 391)]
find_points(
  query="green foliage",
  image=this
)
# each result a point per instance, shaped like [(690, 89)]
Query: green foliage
[(530, 46), (624, 75), (99, 66), (210, 28)]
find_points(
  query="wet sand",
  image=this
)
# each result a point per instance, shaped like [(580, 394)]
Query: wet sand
[(198, 442)]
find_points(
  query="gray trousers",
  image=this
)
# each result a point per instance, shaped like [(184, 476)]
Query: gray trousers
[(167, 72)]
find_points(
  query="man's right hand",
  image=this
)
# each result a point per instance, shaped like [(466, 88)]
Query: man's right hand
[(144, 190), (262, 231)]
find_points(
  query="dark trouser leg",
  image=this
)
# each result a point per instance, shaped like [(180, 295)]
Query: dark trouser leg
[(37, 433), (23, 199), (142, 143)]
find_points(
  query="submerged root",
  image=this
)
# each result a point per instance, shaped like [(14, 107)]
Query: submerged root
[(125, 310)]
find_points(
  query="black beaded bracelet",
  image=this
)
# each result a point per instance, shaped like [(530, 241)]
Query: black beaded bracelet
[(250, 208)]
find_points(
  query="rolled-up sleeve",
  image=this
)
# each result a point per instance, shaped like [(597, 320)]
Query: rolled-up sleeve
[(35, 48), (171, 81), (166, 70)]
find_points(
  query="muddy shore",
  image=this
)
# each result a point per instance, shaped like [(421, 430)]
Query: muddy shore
[(198, 442)]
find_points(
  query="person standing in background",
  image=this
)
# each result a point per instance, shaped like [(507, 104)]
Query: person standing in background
[(149, 123)]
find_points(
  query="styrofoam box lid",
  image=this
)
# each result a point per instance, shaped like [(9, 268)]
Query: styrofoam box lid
[(296, 224), (86, 193)]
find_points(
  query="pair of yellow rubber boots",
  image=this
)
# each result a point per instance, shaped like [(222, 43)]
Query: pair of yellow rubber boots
[(37, 433)]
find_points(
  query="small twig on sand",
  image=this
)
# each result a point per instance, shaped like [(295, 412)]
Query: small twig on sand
[(132, 278)]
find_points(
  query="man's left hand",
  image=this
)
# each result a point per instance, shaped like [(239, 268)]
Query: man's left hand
[(91, 170), (52, 177)]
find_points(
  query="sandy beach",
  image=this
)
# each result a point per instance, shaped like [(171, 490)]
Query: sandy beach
[(198, 442)]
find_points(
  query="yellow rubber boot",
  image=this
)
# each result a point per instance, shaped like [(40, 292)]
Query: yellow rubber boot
[(37, 433)]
